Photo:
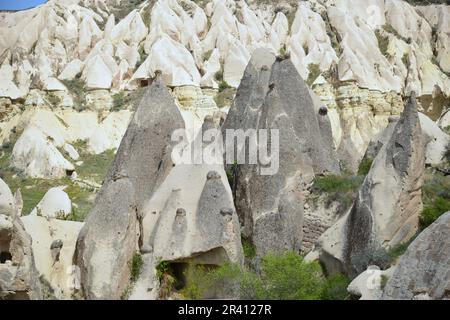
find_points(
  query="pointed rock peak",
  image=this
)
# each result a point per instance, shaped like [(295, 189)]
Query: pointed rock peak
[(262, 58)]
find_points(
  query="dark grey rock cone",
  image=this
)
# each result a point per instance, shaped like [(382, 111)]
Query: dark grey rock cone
[(111, 232), (272, 95), (386, 210), (422, 272)]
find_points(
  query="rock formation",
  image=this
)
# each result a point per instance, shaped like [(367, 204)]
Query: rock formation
[(422, 272), (434, 138), (53, 246), (272, 95), (386, 211), (368, 285), (55, 204), (111, 232), (19, 279), (190, 219)]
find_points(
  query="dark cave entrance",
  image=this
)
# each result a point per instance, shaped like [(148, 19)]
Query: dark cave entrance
[(5, 256), (69, 173), (144, 83)]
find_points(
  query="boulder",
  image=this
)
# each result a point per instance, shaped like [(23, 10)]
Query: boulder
[(54, 204), (110, 235), (368, 285), (19, 279), (386, 210), (422, 271)]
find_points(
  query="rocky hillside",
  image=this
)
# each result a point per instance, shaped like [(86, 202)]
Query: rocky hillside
[(92, 205)]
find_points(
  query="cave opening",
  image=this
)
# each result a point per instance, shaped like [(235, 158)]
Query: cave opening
[(69, 173), (5, 256)]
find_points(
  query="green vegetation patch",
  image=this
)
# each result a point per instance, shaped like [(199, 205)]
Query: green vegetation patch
[(122, 100), (383, 43), (248, 247), (225, 97), (435, 196), (77, 89), (284, 276), (314, 73), (341, 189)]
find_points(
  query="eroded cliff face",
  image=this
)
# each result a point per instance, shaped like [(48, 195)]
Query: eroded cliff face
[(360, 59), (72, 73)]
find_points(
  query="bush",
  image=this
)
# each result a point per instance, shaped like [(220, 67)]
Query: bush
[(335, 287), (198, 282), (76, 87), (135, 267), (223, 85), (288, 277), (161, 269), (337, 183), (436, 197), (364, 166), (383, 43), (432, 211), (249, 248), (283, 276)]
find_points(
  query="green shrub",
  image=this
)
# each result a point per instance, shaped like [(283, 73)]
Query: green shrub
[(364, 166), (230, 171), (119, 101), (198, 282), (223, 85), (288, 277), (435, 195), (162, 268), (218, 76), (77, 89), (249, 248), (335, 183), (383, 43), (335, 287), (283, 276), (136, 266)]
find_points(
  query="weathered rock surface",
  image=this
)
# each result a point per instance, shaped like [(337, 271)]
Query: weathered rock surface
[(19, 279), (422, 272), (191, 218), (110, 235), (272, 95), (53, 248), (368, 285), (388, 204), (54, 204), (435, 140)]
